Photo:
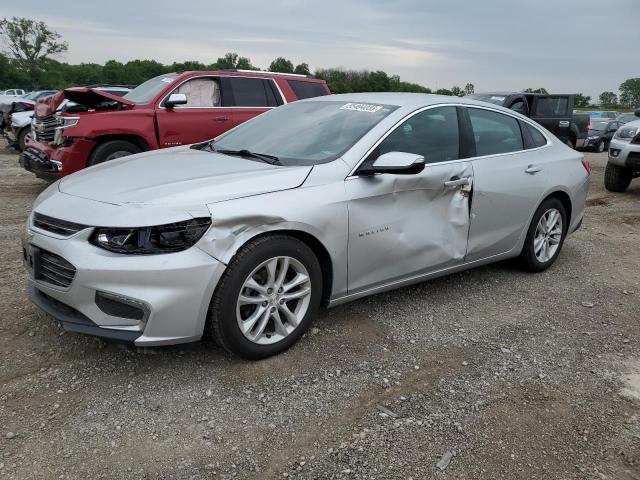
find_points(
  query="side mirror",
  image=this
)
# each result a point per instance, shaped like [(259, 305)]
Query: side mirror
[(175, 99), (637, 112), (398, 163)]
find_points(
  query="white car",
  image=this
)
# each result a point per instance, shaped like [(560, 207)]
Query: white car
[(623, 164), (14, 92)]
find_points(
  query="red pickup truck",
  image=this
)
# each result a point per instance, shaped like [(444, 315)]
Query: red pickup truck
[(169, 110)]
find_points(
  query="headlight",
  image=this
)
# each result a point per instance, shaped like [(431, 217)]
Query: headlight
[(626, 133), (63, 122), (173, 237), (593, 137)]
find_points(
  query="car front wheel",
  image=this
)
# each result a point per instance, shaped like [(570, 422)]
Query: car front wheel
[(616, 178), (267, 297), (600, 146), (545, 236)]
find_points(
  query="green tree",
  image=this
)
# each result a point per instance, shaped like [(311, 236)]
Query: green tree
[(469, 89), (31, 45), (581, 101), (537, 90), (302, 69), (630, 93), (282, 65), (608, 99), (233, 61), (457, 91), (444, 91)]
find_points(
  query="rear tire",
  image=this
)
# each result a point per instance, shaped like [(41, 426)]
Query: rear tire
[(616, 178), (112, 150), (534, 257), (245, 296)]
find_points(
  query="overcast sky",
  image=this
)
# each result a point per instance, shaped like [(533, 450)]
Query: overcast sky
[(565, 46)]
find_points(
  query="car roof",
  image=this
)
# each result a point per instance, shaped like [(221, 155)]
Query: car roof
[(403, 99)]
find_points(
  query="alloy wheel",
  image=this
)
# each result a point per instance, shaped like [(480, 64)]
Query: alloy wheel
[(548, 235), (273, 300)]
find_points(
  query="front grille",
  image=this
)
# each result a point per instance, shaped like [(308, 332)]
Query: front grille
[(55, 225), (45, 128), (54, 269)]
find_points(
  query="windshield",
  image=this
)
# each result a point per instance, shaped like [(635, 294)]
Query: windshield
[(306, 133), (598, 125), (495, 99), (145, 92)]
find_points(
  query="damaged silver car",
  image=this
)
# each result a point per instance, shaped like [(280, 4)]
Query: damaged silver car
[(312, 204)]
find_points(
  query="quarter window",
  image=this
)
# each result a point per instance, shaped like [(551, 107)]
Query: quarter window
[(494, 132), (432, 133), (304, 89), (201, 92), (537, 138)]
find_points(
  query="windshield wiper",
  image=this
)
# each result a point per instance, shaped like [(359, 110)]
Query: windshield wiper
[(270, 159)]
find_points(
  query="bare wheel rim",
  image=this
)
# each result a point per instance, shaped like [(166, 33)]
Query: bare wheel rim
[(548, 235), (118, 154), (273, 300)]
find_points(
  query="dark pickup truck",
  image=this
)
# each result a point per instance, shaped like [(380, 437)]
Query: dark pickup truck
[(553, 112)]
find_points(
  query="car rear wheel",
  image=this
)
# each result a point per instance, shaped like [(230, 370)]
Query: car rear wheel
[(111, 150), (267, 297), (616, 178), (545, 236)]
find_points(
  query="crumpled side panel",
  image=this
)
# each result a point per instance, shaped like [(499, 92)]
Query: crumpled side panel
[(406, 225)]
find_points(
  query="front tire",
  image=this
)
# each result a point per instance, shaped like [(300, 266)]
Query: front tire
[(545, 236), (600, 146), (267, 297), (22, 138), (112, 150), (616, 178)]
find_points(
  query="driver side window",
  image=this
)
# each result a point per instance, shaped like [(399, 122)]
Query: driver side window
[(201, 92), (432, 133)]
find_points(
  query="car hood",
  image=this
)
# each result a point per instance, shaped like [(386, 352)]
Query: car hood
[(48, 105), (92, 97), (180, 177), (595, 132)]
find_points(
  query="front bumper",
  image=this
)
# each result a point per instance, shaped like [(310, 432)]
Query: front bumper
[(48, 160), (625, 154), (173, 289)]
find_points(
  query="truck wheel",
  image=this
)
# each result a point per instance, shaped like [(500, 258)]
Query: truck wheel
[(616, 178), (111, 150), (22, 138)]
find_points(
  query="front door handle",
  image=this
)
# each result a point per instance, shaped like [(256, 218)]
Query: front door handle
[(533, 169), (457, 183), (221, 119)]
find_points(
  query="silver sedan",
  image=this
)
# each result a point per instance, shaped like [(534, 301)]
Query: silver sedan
[(312, 204)]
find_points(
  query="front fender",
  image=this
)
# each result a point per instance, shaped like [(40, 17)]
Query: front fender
[(319, 211)]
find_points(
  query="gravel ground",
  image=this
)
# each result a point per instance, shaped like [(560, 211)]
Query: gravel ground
[(487, 374)]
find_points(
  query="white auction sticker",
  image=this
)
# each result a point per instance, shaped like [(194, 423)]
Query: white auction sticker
[(361, 107)]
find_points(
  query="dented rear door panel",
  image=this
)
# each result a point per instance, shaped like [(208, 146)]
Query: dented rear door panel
[(406, 225)]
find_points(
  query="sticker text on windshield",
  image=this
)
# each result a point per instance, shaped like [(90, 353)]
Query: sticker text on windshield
[(361, 107)]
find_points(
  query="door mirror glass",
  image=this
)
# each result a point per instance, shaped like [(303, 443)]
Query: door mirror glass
[(399, 163), (175, 99)]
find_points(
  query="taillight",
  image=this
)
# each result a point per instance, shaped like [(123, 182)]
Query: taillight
[(586, 166)]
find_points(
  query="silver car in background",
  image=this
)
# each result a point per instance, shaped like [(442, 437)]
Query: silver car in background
[(314, 203), (623, 164)]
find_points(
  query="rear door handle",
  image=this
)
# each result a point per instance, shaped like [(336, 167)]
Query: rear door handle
[(564, 123), (220, 119), (533, 169), (457, 183)]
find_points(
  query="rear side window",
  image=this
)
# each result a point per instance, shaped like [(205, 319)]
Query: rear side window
[(494, 132), (306, 89), (251, 92), (537, 138), (552, 107)]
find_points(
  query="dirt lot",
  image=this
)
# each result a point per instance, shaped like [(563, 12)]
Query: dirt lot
[(512, 375)]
